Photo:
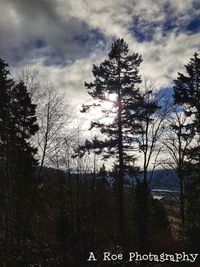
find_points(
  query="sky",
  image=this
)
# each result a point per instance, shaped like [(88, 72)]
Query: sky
[(62, 39)]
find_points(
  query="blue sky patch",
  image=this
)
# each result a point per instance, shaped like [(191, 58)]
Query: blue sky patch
[(39, 43), (142, 30), (194, 25), (90, 39)]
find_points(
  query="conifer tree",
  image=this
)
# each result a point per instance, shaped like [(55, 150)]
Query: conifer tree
[(187, 94), (117, 76), (5, 86), (17, 126), (17, 121)]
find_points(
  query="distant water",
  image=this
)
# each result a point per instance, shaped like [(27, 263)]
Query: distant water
[(164, 193), (164, 179)]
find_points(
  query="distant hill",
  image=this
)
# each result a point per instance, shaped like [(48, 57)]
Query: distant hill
[(165, 179)]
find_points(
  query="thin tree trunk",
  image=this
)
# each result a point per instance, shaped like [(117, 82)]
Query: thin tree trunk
[(121, 171), (45, 146), (182, 208)]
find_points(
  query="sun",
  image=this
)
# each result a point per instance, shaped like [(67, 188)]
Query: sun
[(104, 112), (112, 97), (108, 104)]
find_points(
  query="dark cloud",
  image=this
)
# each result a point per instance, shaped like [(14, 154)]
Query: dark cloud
[(31, 29), (68, 36)]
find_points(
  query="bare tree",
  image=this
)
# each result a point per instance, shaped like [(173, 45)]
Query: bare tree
[(30, 79), (157, 109), (54, 114), (178, 139)]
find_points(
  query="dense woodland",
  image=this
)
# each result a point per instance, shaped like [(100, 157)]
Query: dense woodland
[(56, 202)]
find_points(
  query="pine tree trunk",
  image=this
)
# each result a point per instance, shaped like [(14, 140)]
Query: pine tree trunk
[(182, 201), (121, 171)]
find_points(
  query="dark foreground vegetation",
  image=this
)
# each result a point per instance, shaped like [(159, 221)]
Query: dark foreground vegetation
[(52, 218)]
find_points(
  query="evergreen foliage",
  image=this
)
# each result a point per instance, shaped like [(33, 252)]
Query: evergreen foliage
[(187, 94), (17, 126), (118, 75)]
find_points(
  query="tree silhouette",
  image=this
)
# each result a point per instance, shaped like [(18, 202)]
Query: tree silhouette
[(187, 94), (178, 140), (119, 76), (17, 126)]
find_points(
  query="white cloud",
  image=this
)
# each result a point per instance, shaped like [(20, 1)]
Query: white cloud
[(65, 29), (57, 23)]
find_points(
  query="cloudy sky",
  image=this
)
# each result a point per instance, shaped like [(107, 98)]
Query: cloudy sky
[(61, 39)]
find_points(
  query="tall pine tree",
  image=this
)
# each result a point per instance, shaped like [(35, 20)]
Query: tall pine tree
[(117, 76), (17, 126), (187, 94)]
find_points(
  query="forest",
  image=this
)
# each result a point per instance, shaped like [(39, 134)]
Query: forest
[(64, 195)]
